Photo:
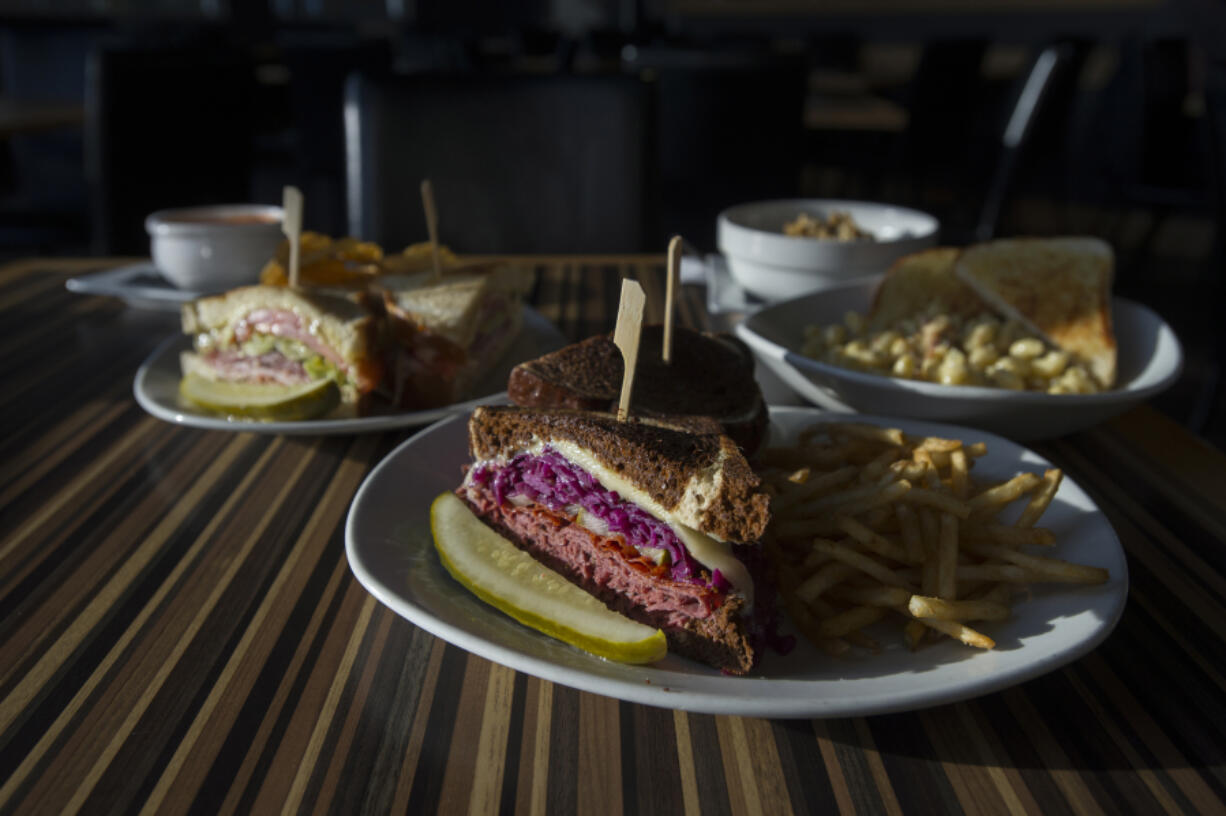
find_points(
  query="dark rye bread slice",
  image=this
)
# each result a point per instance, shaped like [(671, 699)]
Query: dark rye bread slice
[(709, 375), (688, 467)]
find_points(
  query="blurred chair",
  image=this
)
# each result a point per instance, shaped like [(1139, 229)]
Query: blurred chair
[(518, 163), (166, 126), (1047, 90), (729, 129), (43, 195), (318, 66)]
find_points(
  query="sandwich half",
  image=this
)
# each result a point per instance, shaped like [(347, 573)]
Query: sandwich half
[(659, 520), (1060, 288), (281, 336), (709, 375), (445, 334)]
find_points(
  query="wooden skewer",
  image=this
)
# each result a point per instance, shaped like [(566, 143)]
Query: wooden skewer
[(427, 202), (674, 278), (626, 338), (291, 225)]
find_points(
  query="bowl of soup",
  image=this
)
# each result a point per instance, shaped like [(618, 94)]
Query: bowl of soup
[(213, 248)]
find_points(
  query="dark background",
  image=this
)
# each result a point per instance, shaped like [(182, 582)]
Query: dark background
[(608, 126)]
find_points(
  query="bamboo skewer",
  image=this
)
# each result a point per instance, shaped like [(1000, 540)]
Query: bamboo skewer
[(674, 279), (427, 203), (626, 338), (291, 225)]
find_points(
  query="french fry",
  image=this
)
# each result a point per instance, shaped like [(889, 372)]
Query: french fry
[(941, 501), (994, 498), (1010, 536), (814, 487), (1041, 498), (872, 540), (930, 568), (1009, 573), (961, 632), (850, 621), (936, 443), (914, 633), (879, 465), (958, 473), (861, 562), (1053, 568), (947, 557), (868, 520), (861, 430), (968, 610), (908, 526), (887, 596), (829, 575)]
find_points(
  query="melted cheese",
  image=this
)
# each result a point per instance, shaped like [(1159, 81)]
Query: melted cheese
[(706, 550)]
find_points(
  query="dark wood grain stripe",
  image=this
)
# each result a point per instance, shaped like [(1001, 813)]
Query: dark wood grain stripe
[(598, 764), (1014, 793), (68, 643)]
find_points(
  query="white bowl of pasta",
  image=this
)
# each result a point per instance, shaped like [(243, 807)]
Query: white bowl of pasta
[(1149, 361)]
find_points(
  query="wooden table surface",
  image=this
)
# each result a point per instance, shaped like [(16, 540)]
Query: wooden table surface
[(180, 631)]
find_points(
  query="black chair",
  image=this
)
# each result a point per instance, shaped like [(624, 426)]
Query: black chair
[(165, 127), (518, 163), (729, 129)]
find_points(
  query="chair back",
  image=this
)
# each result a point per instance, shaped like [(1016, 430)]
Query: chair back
[(518, 164)]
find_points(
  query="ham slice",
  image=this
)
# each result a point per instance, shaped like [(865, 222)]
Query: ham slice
[(283, 323), (271, 367)]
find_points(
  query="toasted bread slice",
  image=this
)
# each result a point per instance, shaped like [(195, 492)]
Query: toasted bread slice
[(694, 474), (709, 375), (1060, 288), (922, 283), (446, 334)]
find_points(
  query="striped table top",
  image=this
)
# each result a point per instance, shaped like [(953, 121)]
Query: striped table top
[(180, 630)]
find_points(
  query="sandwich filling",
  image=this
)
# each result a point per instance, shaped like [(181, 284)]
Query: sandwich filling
[(610, 507), (274, 346)]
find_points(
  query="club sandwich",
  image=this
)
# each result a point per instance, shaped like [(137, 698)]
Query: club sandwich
[(280, 337)]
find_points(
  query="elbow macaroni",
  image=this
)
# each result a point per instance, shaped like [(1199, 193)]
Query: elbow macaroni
[(983, 350)]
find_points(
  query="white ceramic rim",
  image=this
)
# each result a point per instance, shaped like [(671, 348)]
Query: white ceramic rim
[(159, 223), (776, 241)]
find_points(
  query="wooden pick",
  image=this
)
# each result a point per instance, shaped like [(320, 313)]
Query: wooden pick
[(427, 202), (674, 278), (626, 338), (291, 225)]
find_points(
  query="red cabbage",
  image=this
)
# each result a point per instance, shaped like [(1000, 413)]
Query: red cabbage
[(552, 481)]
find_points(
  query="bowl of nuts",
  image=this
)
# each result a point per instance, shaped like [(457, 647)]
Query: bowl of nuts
[(784, 248)]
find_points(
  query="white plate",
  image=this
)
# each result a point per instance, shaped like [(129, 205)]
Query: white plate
[(140, 285), (157, 390), (388, 542), (1150, 359)]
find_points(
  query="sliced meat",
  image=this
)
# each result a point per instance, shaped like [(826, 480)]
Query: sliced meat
[(699, 621), (283, 323), (270, 367)]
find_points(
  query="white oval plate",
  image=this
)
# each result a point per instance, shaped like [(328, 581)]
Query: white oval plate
[(390, 550), (1150, 359), (157, 390)]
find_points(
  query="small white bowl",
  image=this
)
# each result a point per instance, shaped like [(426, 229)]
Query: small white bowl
[(775, 266), (1149, 362), (214, 248)]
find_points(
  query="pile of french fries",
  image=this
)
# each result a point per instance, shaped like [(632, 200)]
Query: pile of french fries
[(869, 523)]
